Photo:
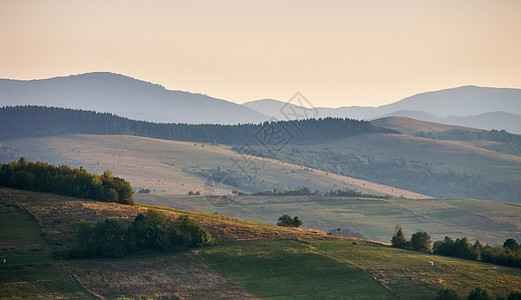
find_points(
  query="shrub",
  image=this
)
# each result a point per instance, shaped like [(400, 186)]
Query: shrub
[(287, 221), (102, 239), (421, 241), (189, 233), (151, 231)]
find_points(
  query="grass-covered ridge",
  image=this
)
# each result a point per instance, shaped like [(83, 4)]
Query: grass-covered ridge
[(368, 218), (286, 269), (265, 260)]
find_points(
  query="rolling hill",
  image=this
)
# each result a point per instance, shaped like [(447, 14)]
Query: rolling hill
[(173, 167), (427, 166), (411, 126), (170, 170), (498, 120), (248, 260)]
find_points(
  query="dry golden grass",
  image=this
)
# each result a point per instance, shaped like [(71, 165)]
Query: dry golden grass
[(165, 275), (162, 166), (59, 217), (411, 126)]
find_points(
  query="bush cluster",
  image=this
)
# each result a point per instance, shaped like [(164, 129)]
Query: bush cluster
[(420, 241), (152, 231), (304, 191), (66, 181), (509, 254), (287, 221)]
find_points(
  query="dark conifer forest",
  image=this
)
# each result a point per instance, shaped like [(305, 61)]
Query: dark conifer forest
[(32, 121)]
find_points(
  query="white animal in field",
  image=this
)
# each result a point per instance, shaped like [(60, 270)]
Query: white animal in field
[(431, 263)]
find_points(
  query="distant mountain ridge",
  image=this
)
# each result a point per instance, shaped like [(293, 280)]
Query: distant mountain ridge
[(470, 106), (127, 97)]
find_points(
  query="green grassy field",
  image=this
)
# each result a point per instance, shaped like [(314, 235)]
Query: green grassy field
[(374, 219), (248, 258), (335, 269), (30, 271), (292, 270)]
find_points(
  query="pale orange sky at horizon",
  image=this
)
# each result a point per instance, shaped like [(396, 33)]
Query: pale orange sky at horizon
[(337, 53)]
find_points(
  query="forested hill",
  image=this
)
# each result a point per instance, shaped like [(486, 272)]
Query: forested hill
[(31, 121)]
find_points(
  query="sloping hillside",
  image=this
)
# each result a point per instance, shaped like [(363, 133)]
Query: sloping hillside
[(497, 120), (287, 262), (412, 126), (179, 167), (374, 219), (475, 172)]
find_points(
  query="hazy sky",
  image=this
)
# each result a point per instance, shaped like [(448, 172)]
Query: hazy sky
[(337, 53)]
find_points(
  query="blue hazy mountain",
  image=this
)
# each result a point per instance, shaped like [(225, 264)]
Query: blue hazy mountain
[(127, 97), (470, 106)]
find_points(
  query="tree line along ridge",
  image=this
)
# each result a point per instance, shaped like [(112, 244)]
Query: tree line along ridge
[(30, 121), (66, 181)]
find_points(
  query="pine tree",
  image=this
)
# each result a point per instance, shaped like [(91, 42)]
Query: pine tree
[(398, 240)]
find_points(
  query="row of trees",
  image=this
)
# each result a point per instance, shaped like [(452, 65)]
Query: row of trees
[(508, 142), (420, 241), (64, 180), (152, 231), (22, 121), (304, 191), (509, 254), (352, 193)]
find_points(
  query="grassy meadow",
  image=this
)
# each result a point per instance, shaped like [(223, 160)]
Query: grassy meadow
[(171, 167), (374, 219), (336, 269), (249, 259), (31, 272)]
